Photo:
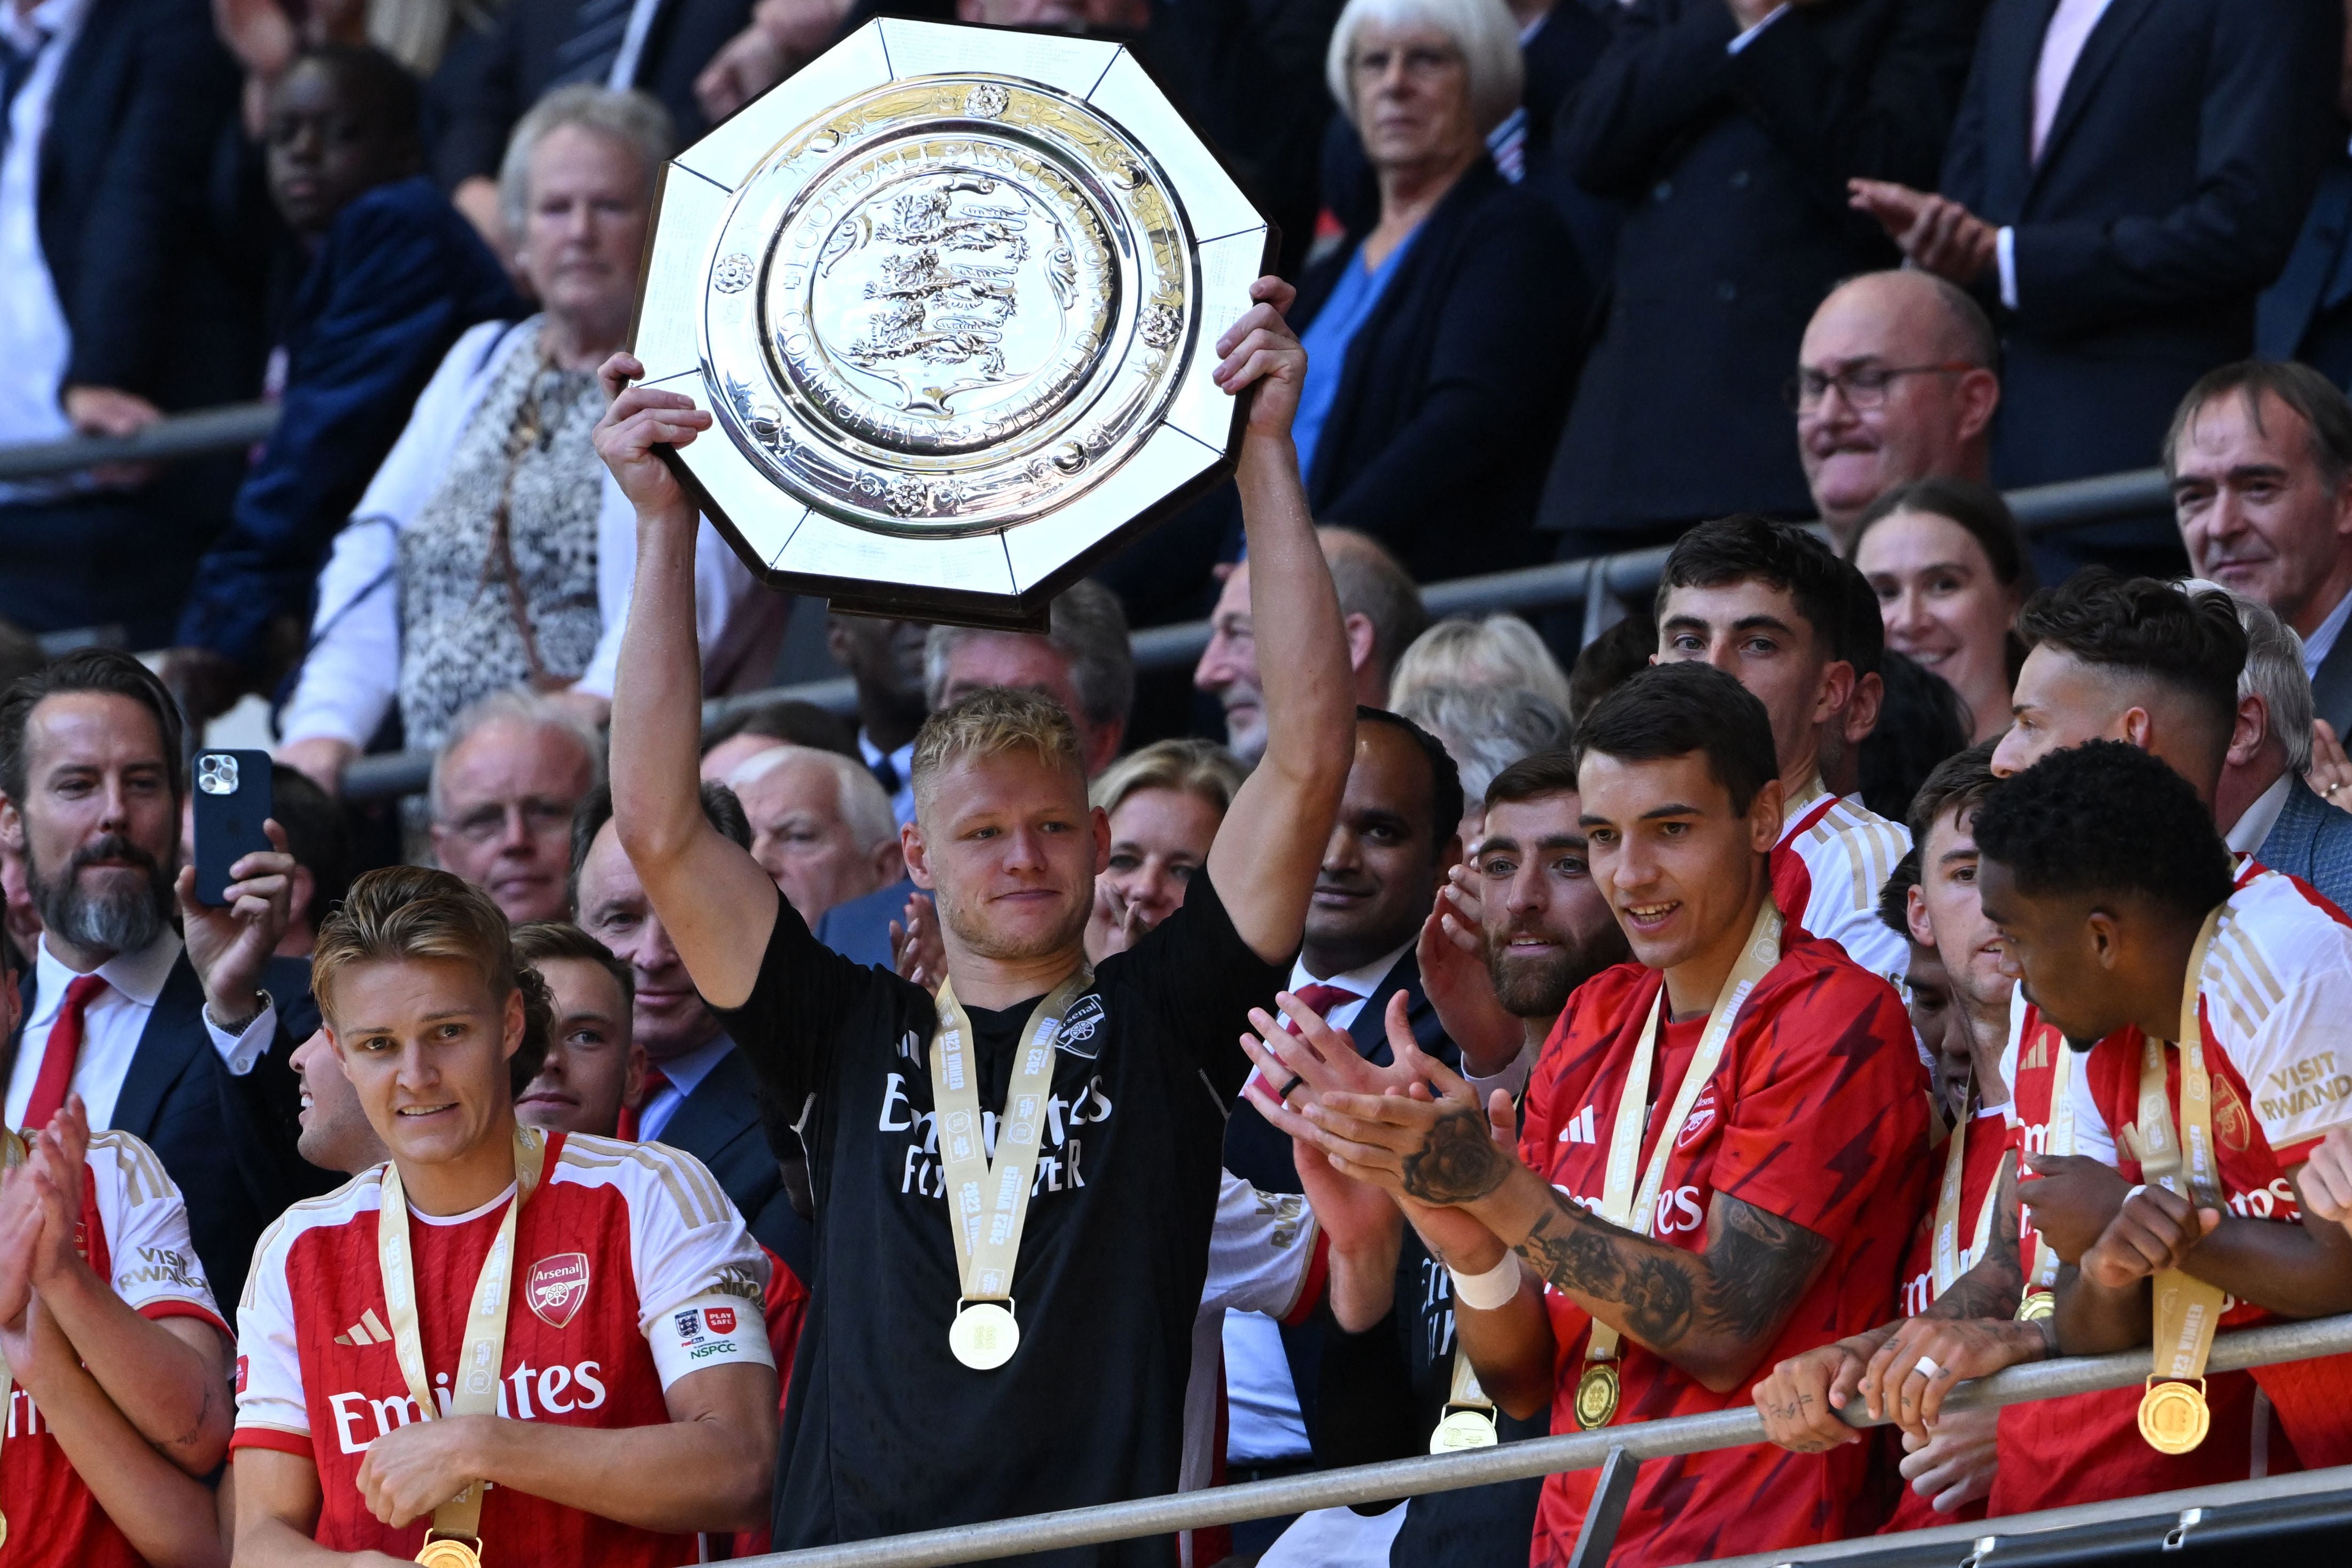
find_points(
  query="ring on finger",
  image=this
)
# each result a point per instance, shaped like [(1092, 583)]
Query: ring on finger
[(1926, 1367), (1295, 1079)]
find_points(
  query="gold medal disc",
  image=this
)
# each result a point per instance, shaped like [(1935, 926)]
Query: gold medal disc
[(449, 1552), (1463, 1429), (2173, 1417), (983, 1335), (1596, 1396), (2037, 1305)]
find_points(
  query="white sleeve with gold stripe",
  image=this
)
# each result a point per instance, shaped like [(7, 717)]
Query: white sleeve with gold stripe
[(701, 1278), (153, 1258)]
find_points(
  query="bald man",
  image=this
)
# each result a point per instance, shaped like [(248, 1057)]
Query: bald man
[(1896, 382)]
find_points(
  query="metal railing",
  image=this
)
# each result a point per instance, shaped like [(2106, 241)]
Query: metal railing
[(175, 435), (1619, 1449), (1594, 583)]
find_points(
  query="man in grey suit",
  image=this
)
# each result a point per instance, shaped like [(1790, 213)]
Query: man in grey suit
[(2262, 804), (2260, 457)]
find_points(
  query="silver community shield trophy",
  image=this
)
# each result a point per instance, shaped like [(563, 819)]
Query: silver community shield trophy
[(952, 295)]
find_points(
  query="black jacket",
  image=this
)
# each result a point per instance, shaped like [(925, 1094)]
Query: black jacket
[(719, 1125), (2308, 314), (1733, 169), (125, 208), (2169, 194), (228, 1142), (1260, 1155), (488, 80), (1453, 385)]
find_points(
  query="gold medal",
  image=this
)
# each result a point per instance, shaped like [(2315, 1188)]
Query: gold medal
[(2173, 1417), (1463, 1429), (2037, 1305), (1596, 1396), (450, 1551), (983, 1335)]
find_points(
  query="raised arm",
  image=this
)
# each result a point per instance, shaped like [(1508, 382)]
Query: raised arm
[(1266, 854), (715, 902)]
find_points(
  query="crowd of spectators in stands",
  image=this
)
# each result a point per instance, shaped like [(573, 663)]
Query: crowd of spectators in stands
[(1795, 293)]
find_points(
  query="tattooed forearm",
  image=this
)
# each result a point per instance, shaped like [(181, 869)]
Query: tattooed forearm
[(1758, 1264), (1588, 1258), (194, 1434), (1755, 1268), (1994, 1283), (1459, 1160)]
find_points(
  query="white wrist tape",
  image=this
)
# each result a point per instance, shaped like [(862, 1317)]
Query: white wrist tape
[(1492, 1290)]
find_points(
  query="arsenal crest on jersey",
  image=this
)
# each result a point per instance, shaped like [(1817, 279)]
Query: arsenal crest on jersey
[(556, 1286)]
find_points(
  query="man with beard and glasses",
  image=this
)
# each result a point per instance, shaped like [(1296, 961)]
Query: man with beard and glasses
[(152, 1030)]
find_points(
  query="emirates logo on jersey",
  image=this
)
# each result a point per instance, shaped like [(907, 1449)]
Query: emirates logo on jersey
[(556, 1287), (1702, 1117)]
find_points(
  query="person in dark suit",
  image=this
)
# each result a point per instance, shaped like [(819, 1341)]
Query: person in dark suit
[(1441, 336), (139, 313), (184, 1043), (2260, 456), (699, 1093), (491, 78), (1390, 850), (2307, 314), (2262, 805), (390, 275), (1728, 128), (2122, 180)]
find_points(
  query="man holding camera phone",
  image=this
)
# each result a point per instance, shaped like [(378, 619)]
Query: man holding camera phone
[(182, 1041)]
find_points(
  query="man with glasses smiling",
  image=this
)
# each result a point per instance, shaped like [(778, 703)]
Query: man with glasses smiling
[(1897, 381), (505, 784)]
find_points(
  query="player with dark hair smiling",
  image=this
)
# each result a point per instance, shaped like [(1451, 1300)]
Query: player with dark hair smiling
[(1773, 606), (1723, 1148)]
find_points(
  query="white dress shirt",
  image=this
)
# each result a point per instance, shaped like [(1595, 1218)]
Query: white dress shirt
[(902, 799), (111, 1028), (34, 342), (684, 1074), (2254, 824), (2062, 50)]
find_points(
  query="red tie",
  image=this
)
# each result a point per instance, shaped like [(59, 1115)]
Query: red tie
[(1319, 999), (655, 1081), (57, 1061)]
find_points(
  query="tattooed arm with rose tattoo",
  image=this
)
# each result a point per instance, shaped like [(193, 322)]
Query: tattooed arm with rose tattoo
[(1712, 1314)]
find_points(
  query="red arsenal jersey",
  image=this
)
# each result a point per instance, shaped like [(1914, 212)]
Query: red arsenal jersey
[(134, 1232), (1982, 1161), (631, 1270), (1817, 1114), (2086, 1447)]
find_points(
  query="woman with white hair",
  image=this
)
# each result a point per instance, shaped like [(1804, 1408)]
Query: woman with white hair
[(1500, 650), (1440, 342), (492, 548)]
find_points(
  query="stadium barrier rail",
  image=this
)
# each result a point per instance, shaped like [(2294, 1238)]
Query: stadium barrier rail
[(1599, 583), (1616, 1451)]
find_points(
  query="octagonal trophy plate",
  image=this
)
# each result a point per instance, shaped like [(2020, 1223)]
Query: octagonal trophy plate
[(952, 296)]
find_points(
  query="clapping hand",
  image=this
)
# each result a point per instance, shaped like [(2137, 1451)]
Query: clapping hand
[(1452, 953), (917, 949), (1935, 233)]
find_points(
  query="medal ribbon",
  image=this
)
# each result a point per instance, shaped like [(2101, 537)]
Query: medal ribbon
[(2042, 1274), (988, 1201), (1621, 1204), (2187, 1309), (1950, 1262), (475, 1387)]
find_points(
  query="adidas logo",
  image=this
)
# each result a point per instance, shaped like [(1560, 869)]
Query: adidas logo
[(1580, 1129), (368, 1330)]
